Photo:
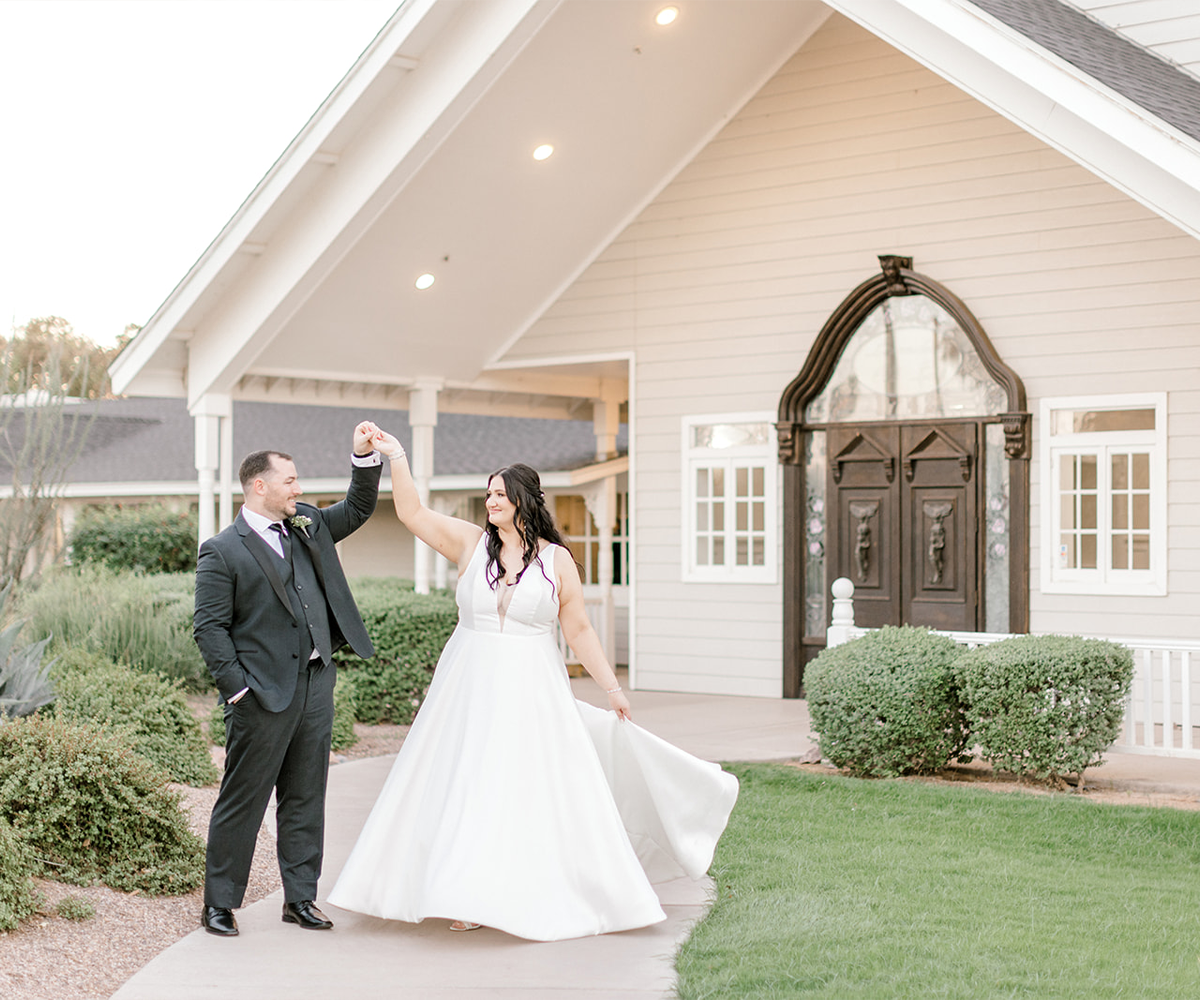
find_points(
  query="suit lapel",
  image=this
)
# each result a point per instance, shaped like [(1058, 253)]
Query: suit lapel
[(266, 559)]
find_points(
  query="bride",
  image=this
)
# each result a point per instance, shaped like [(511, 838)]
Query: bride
[(512, 804)]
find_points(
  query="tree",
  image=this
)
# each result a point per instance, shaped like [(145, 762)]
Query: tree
[(45, 369), (47, 348)]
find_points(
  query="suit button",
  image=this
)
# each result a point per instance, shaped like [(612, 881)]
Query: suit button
[(295, 656)]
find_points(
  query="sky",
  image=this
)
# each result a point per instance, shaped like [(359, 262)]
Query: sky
[(131, 131)]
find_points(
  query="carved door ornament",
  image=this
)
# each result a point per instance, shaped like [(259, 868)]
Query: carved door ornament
[(937, 511), (862, 511)]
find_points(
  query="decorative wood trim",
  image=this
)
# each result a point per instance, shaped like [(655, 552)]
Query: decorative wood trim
[(896, 278)]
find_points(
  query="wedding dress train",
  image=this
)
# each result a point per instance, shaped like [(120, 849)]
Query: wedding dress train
[(513, 805)]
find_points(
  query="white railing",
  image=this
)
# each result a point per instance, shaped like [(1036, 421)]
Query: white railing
[(1162, 709), (594, 606)]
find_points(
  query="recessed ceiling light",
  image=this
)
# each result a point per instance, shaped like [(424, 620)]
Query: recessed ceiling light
[(543, 151), (425, 281), (666, 16)]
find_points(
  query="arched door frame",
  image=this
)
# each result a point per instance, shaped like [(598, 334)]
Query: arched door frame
[(896, 278)]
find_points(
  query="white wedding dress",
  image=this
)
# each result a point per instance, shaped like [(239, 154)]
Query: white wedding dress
[(513, 805)]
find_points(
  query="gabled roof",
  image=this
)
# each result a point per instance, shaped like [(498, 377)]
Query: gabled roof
[(1131, 70), (420, 162), (149, 440)]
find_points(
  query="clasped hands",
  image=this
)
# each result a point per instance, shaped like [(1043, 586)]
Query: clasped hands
[(369, 437)]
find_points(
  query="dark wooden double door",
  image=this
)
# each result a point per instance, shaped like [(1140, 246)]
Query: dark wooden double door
[(904, 501)]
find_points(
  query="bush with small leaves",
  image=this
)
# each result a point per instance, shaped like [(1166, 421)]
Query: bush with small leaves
[(408, 631), (89, 810), (149, 713), (75, 908), (18, 896), (1045, 706), (887, 703)]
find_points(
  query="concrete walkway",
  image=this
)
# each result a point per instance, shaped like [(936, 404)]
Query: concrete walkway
[(366, 957)]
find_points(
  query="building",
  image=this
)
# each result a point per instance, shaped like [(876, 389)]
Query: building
[(899, 290)]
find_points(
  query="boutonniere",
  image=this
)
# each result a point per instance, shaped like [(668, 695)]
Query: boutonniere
[(300, 523)]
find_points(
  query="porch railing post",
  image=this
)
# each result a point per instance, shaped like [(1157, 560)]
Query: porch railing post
[(842, 618)]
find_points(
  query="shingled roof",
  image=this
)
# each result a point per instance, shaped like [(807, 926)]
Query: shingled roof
[(150, 439), (1162, 88)]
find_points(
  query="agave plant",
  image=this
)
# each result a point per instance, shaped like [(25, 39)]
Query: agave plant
[(25, 684)]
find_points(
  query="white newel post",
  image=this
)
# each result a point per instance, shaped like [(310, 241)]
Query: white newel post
[(842, 619), (208, 415), (422, 418)]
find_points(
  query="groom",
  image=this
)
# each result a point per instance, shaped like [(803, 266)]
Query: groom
[(272, 606)]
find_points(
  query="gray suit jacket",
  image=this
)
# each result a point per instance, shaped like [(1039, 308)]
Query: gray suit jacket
[(245, 626)]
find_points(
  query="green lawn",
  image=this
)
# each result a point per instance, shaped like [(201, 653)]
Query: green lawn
[(838, 887)]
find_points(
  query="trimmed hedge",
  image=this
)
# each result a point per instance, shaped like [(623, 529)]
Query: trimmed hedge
[(887, 703), (89, 810), (1045, 705), (150, 714), (144, 539), (19, 897), (409, 631)]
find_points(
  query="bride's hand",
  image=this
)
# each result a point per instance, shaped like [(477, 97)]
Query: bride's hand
[(387, 445), (620, 704)]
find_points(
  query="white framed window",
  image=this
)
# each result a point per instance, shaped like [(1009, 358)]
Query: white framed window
[(729, 498), (1104, 494)]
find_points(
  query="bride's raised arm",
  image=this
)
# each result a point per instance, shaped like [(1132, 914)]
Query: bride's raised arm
[(451, 536)]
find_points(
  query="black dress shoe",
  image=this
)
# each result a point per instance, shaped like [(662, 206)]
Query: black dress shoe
[(219, 920), (306, 915)]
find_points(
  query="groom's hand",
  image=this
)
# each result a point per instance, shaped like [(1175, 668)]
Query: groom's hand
[(363, 434)]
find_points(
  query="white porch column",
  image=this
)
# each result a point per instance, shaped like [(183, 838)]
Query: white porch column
[(422, 418), (225, 473), (602, 505), (210, 411), (606, 421), (441, 565)]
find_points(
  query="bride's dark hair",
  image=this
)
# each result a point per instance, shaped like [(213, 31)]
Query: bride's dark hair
[(532, 520)]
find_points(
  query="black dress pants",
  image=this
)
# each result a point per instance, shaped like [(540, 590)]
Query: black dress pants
[(285, 751)]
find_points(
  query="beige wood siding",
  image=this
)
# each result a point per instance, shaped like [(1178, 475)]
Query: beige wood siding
[(721, 284), (1170, 28)]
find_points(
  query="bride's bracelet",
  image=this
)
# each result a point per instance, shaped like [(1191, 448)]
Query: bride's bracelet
[(613, 690), (398, 453)]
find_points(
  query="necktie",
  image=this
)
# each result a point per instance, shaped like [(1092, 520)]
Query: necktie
[(284, 538)]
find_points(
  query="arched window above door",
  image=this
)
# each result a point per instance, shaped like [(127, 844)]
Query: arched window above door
[(908, 359)]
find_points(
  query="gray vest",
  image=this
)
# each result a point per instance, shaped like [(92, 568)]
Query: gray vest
[(308, 602)]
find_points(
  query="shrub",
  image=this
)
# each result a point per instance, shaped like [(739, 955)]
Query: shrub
[(24, 681), (18, 896), (75, 908), (408, 631), (148, 539), (91, 811), (144, 622), (1045, 705), (887, 704), (150, 714), (343, 716)]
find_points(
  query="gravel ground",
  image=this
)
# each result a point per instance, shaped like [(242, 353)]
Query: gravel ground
[(52, 958)]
